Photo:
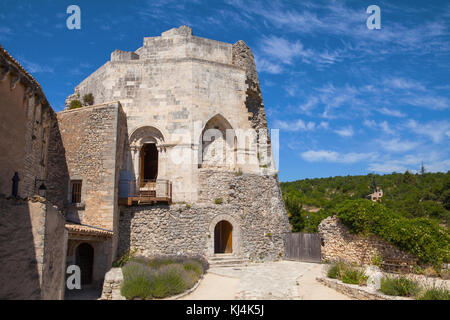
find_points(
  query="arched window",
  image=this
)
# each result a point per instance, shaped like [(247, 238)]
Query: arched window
[(217, 143)]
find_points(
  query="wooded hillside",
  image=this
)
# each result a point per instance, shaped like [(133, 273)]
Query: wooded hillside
[(425, 195)]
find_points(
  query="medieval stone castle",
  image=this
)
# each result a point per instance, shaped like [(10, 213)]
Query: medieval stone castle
[(173, 158)]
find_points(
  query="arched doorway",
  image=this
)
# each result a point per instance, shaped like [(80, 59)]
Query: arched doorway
[(149, 163), (84, 258), (223, 237)]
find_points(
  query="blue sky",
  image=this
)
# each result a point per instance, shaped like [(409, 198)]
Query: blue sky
[(347, 100)]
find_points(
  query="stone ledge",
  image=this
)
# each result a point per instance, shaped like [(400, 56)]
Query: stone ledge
[(357, 292)]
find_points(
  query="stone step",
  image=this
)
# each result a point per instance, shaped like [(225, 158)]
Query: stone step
[(226, 260)]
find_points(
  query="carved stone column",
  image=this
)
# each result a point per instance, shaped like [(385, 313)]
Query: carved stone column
[(136, 156), (162, 162)]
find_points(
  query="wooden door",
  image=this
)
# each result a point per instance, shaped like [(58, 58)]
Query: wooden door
[(223, 237), (303, 247)]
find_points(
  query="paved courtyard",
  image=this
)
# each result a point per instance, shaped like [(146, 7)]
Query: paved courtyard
[(284, 280)]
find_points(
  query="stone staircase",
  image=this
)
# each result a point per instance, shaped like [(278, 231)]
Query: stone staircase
[(226, 260)]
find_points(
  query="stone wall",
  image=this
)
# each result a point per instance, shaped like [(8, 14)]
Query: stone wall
[(32, 250), (339, 244), (92, 141), (111, 285), (251, 203), (24, 128)]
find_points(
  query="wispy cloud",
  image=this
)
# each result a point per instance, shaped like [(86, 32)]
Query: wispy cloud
[(437, 131), (298, 125), (396, 145), (391, 112), (333, 156), (33, 67), (345, 132), (427, 101)]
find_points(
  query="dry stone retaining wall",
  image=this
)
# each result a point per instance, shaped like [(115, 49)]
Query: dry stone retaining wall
[(339, 244)]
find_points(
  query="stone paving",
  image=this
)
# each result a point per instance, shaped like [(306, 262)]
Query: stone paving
[(277, 280)]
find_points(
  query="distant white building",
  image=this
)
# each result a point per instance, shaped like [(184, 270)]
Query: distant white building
[(375, 196)]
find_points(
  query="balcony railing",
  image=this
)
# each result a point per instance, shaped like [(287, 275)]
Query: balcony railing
[(145, 192)]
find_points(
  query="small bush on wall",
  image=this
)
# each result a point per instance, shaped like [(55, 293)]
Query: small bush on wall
[(75, 104), (88, 99)]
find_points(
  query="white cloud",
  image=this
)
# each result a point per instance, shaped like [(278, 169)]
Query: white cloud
[(32, 67), (370, 123), (281, 49), (391, 112), (383, 126), (264, 65), (298, 125), (405, 84), (345, 132), (430, 102), (333, 156), (435, 130), (396, 145), (386, 128), (386, 167)]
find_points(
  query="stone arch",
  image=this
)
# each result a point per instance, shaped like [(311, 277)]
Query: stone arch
[(236, 244), (146, 134), (217, 143), (139, 140)]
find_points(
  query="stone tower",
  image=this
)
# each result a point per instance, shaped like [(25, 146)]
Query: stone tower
[(197, 175)]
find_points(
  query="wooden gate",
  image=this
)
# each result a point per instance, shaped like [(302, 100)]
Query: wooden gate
[(303, 247)]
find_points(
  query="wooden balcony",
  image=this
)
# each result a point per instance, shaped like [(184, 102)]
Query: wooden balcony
[(148, 192)]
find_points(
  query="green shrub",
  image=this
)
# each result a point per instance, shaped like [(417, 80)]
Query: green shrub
[(88, 99), (347, 274), (218, 201), (157, 263), (422, 237), (377, 260), (75, 104), (169, 280), (354, 276), (194, 266), (138, 280), (159, 277), (435, 293), (333, 272), (399, 286), (139, 287)]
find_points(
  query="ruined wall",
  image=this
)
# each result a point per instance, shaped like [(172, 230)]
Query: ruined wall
[(92, 146), (24, 128), (32, 250), (251, 203), (340, 244)]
